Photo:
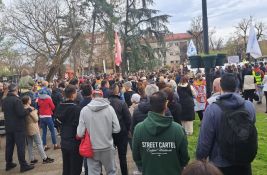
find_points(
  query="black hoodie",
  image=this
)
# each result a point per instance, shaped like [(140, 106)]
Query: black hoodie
[(68, 113)]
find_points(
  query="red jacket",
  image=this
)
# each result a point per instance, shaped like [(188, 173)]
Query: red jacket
[(46, 106)]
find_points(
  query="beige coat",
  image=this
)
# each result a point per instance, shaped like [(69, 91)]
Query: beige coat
[(32, 127)]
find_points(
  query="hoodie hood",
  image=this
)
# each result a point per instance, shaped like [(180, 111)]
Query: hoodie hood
[(155, 123), (144, 106), (232, 100), (98, 104), (44, 96)]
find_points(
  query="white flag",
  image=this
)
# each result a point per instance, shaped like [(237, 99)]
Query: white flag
[(253, 45), (191, 51)]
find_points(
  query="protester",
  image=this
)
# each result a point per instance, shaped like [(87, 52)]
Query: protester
[(68, 114), (15, 126), (140, 113), (155, 148), (259, 75), (100, 120), (216, 91), (87, 98), (135, 100), (186, 94), (264, 82), (46, 108), (124, 117), (201, 168), (249, 86), (33, 133), (86, 91), (105, 88), (201, 97), (216, 134), (174, 106), (128, 93), (79, 97)]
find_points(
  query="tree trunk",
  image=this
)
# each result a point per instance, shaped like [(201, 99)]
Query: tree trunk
[(92, 42), (59, 60)]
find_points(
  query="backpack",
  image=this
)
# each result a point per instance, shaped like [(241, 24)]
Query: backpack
[(237, 137)]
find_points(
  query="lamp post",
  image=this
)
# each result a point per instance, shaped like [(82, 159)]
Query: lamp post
[(206, 44)]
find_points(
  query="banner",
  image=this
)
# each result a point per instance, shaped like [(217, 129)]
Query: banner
[(191, 51), (118, 59), (233, 59), (253, 47)]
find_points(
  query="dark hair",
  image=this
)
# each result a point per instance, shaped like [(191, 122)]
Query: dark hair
[(113, 89), (103, 83), (69, 91), (158, 101), (74, 81), (12, 87), (25, 99), (86, 89), (62, 85), (201, 168), (229, 82)]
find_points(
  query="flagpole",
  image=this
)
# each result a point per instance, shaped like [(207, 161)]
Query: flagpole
[(206, 45)]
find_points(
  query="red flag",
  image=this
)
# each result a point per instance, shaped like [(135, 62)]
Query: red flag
[(118, 59)]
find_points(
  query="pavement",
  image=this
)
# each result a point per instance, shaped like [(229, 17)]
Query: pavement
[(56, 167)]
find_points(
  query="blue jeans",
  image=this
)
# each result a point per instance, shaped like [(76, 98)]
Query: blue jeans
[(48, 122)]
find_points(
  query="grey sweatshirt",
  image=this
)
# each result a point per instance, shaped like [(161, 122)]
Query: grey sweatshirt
[(100, 120)]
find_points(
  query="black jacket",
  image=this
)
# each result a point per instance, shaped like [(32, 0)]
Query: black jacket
[(57, 96), (68, 114), (187, 103), (122, 112), (14, 113), (141, 112)]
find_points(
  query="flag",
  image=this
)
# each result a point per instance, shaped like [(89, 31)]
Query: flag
[(191, 51), (253, 45), (118, 59)]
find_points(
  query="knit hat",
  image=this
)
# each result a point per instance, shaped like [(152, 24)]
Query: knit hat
[(135, 98)]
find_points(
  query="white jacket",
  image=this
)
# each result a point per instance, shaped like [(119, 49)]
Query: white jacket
[(249, 82)]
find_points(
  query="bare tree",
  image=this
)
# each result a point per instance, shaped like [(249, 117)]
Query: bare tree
[(260, 27), (196, 30), (37, 25), (216, 44), (243, 29)]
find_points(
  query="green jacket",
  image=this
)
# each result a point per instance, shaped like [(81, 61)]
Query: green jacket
[(160, 146)]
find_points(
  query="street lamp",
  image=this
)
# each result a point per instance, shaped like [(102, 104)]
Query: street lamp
[(206, 44)]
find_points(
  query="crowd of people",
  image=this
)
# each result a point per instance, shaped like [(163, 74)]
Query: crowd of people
[(153, 113)]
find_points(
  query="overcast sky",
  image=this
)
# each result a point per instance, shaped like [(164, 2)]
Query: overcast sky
[(223, 14)]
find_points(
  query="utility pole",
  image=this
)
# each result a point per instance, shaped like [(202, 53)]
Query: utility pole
[(206, 44)]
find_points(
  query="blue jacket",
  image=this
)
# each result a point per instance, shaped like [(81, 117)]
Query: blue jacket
[(207, 141)]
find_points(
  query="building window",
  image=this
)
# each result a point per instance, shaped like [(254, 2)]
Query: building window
[(172, 62), (177, 44), (171, 53), (177, 62)]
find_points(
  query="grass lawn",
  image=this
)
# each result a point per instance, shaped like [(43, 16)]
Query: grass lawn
[(260, 163)]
